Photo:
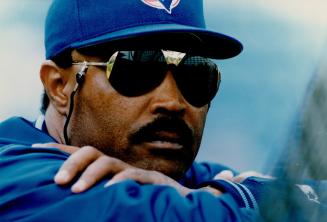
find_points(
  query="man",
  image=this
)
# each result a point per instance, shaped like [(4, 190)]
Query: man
[(131, 79), (128, 86)]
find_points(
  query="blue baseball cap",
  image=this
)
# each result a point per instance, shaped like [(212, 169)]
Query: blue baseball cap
[(129, 24)]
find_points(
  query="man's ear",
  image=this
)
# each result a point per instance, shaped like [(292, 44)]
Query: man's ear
[(56, 85)]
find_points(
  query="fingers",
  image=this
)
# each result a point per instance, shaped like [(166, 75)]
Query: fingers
[(225, 175), (97, 170), (228, 175), (139, 175), (62, 147), (243, 176), (148, 177), (76, 162)]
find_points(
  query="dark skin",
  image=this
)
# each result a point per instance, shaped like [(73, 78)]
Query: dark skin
[(103, 122), (95, 165), (106, 120)]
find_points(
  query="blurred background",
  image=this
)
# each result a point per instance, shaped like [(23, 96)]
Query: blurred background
[(262, 89)]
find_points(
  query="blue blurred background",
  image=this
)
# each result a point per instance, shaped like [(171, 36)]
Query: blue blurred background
[(261, 91)]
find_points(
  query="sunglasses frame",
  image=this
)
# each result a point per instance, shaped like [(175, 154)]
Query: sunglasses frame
[(171, 57)]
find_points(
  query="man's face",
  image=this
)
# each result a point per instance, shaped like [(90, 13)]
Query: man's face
[(158, 131)]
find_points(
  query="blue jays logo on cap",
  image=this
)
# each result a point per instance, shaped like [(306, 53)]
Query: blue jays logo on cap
[(167, 5)]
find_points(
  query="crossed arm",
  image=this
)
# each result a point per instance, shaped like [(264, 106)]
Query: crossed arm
[(27, 189), (94, 166)]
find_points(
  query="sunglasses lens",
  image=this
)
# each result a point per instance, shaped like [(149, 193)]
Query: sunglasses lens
[(135, 73), (198, 79)]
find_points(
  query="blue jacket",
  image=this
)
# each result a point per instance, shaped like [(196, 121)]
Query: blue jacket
[(28, 192)]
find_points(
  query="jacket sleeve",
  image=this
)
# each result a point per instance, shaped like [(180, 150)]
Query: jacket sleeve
[(285, 200), (279, 199), (28, 193), (202, 172)]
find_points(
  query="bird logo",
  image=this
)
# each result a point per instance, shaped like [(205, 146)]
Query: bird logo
[(167, 5)]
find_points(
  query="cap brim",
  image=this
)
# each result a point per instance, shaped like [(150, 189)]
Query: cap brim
[(169, 36)]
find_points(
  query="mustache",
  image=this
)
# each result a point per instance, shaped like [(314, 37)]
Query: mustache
[(169, 124)]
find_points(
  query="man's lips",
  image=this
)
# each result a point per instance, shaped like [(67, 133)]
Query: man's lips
[(164, 133), (164, 145), (164, 140)]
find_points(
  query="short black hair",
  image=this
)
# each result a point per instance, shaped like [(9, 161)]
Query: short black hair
[(64, 60)]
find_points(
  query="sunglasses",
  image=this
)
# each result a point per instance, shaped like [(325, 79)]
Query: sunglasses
[(135, 73)]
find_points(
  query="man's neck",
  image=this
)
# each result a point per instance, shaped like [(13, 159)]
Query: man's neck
[(55, 124)]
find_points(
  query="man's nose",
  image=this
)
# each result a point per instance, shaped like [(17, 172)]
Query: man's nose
[(167, 98)]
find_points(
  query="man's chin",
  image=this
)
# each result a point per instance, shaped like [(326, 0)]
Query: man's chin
[(171, 159), (172, 168)]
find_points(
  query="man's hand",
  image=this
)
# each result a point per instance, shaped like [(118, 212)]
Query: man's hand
[(228, 175), (95, 166)]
